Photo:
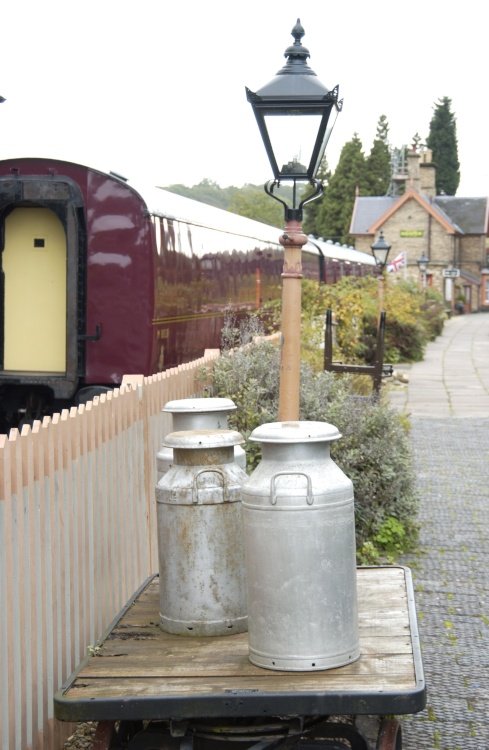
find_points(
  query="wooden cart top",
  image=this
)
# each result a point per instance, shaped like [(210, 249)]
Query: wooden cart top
[(139, 672)]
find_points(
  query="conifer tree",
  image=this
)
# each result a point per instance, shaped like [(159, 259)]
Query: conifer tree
[(378, 165), (336, 207), (442, 140), (311, 210)]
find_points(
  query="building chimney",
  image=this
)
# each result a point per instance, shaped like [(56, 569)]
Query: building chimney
[(427, 173), (414, 179)]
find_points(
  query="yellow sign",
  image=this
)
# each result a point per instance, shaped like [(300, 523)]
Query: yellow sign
[(412, 232)]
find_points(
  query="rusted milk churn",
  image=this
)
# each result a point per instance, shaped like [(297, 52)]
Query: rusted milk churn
[(200, 536), (197, 414), (300, 551)]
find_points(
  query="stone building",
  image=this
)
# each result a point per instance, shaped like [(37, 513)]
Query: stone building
[(450, 232)]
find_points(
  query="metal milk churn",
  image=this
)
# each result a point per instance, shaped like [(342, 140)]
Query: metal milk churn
[(299, 530), (200, 536), (197, 414)]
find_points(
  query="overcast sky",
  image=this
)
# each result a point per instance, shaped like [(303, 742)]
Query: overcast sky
[(155, 89)]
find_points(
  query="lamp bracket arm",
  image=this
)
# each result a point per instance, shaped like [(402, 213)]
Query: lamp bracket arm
[(294, 213), (318, 191), (270, 187)]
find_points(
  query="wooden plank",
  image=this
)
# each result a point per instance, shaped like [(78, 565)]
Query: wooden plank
[(153, 652), (275, 683), (378, 666), (139, 659)]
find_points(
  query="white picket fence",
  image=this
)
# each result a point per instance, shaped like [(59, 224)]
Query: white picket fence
[(77, 537)]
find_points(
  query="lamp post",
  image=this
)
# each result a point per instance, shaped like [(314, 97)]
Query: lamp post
[(423, 267), (295, 113), (380, 250)]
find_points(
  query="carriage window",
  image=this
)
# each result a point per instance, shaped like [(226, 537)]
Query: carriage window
[(39, 242)]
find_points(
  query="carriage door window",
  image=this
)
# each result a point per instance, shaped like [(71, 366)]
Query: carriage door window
[(34, 263)]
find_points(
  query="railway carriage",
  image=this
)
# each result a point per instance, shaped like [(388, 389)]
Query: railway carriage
[(99, 278)]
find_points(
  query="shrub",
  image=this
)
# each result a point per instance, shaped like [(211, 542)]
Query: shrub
[(413, 318), (373, 451)]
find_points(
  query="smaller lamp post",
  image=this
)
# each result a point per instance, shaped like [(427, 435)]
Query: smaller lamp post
[(423, 267), (295, 114), (380, 250)]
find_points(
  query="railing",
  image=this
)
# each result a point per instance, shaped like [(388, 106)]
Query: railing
[(377, 371), (77, 536)]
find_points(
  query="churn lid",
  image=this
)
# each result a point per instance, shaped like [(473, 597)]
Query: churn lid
[(195, 439), (295, 432), (186, 405)]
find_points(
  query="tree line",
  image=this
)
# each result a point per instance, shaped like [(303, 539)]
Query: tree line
[(356, 173)]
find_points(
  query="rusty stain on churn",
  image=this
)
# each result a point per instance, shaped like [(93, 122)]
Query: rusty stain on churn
[(200, 536)]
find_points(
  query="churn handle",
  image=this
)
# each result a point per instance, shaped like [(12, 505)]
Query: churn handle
[(195, 486), (273, 493)]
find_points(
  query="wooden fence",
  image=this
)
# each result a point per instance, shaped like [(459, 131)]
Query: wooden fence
[(77, 537)]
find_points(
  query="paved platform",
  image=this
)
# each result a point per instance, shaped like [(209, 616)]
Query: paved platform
[(447, 398), (453, 378)]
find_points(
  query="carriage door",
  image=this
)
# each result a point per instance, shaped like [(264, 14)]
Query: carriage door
[(34, 264)]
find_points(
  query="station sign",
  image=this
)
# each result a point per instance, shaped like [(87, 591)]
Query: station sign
[(451, 273), (411, 233)]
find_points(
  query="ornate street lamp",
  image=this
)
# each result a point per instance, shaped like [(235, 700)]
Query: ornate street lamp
[(295, 113), (380, 250), (423, 267)]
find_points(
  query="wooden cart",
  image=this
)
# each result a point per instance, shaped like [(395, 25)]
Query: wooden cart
[(149, 689)]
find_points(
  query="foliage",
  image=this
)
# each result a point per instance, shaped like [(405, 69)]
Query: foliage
[(378, 165), (412, 319), (388, 543), (373, 451), (311, 210), (434, 313), (253, 202), (335, 207), (206, 191), (442, 140), (250, 200), (330, 216)]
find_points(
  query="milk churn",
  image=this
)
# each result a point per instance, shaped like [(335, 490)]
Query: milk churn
[(197, 414), (200, 536), (299, 532)]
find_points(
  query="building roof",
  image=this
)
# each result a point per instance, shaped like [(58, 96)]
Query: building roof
[(458, 215), (367, 210), (471, 214)]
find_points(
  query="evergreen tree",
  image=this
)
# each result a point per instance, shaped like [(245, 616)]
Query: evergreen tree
[(311, 210), (378, 165), (336, 206), (442, 140)]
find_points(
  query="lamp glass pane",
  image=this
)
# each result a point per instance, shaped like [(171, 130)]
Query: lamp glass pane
[(380, 255), (293, 138)]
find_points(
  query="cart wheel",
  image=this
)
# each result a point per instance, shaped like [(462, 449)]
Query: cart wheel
[(390, 735), (103, 735)]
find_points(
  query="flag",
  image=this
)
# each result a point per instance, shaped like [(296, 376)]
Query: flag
[(398, 262)]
